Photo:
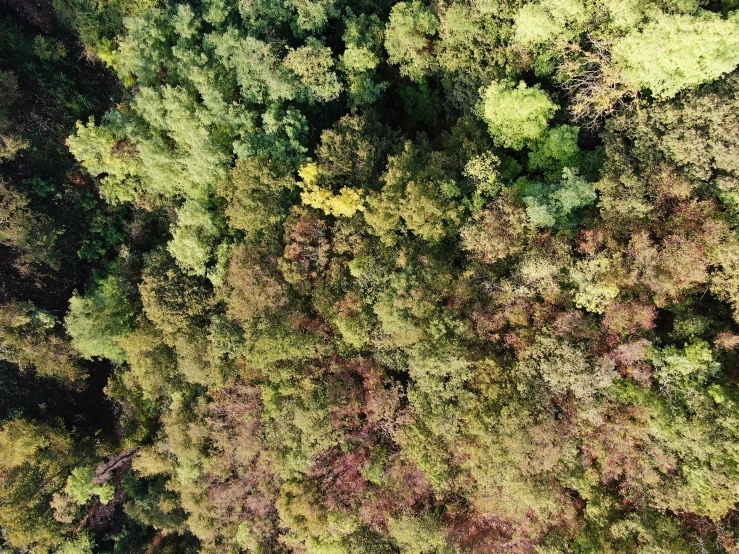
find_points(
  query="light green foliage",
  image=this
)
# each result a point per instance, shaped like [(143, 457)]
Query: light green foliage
[(101, 152), (471, 40), (314, 14), (359, 63), (675, 52), (193, 238), (96, 321), (594, 291), (302, 16), (272, 341), (690, 366), (363, 38), (419, 535), (408, 38), (540, 273), (539, 23), (516, 115), (82, 544), (145, 46), (182, 155), (312, 64), (254, 63), (483, 171), (81, 488)]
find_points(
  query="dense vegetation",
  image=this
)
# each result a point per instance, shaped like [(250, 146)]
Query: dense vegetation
[(365, 277)]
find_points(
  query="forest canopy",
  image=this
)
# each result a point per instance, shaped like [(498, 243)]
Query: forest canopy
[(369, 277)]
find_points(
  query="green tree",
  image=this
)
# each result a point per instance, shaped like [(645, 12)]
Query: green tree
[(33, 338), (312, 64), (547, 206), (81, 486), (675, 52), (33, 234), (408, 39), (363, 39), (96, 321), (516, 116), (35, 461), (258, 195)]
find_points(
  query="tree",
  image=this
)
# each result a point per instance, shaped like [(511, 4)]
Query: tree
[(102, 153), (564, 368), (312, 64), (33, 338), (81, 487), (32, 233), (674, 52), (555, 151), (419, 535), (516, 116), (419, 195), (194, 237), (96, 322), (496, 232), (256, 285), (344, 204), (407, 38), (548, 206), (257, 193), (363, 39), (172, 299), (541, 23), (10, 143), (594, 291), (35, 461)]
